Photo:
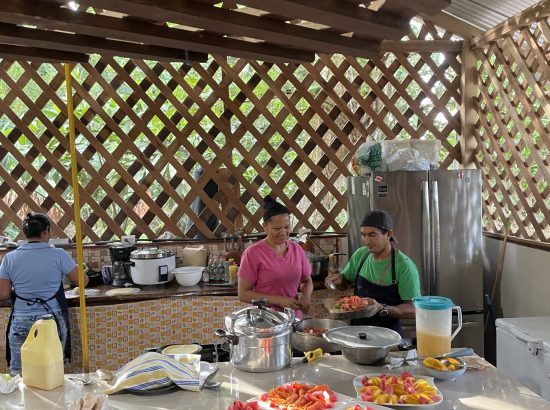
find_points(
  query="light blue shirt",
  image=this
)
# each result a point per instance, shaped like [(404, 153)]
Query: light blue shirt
[(36, 270)]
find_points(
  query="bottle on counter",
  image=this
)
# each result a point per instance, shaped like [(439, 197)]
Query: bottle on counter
[(233, 269), (42, 356)]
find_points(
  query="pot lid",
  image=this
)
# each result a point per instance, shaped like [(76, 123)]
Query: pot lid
[(433, 302), (363, 336), (255, 320), (151, 253)]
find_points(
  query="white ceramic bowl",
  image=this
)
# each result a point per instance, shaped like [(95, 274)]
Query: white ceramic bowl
[(188, 275)]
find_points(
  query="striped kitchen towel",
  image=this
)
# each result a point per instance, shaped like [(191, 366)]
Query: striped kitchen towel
[(154, 370)]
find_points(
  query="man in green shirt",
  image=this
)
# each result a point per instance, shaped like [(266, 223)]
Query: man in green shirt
[(384, 275)]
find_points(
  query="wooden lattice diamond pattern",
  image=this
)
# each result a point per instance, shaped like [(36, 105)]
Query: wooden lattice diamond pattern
[(513, 133), (145, 127)]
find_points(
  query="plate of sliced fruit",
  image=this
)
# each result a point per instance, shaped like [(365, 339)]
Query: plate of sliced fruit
[(300, 395), (395, 390)]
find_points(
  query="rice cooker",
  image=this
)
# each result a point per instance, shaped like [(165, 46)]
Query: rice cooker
[(152, 266)]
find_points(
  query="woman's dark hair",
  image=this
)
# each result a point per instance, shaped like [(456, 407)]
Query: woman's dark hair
[(34, 224), (272, 208)]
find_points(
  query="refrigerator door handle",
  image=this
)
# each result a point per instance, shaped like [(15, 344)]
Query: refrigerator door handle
[(426, 238), (436, 239)]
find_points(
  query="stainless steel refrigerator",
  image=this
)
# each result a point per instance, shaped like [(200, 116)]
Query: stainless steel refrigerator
[(437, 223)]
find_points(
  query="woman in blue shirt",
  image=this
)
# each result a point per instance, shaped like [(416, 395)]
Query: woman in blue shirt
[(35, 270)]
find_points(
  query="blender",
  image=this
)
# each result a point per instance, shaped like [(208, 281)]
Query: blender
[(120, 258)]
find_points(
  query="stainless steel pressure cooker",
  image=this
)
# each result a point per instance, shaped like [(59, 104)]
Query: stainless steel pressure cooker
[(260, 339)]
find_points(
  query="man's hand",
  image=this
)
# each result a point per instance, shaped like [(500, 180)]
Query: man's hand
[(333, 281)]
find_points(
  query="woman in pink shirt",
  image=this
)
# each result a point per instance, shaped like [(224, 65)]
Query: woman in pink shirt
[(275, 268)]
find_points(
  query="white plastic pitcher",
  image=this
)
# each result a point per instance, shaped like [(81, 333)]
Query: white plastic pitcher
[(42, 355), (434, 325)]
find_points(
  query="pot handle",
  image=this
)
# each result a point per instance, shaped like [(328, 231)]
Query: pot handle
[(229, 338), (297, 323)]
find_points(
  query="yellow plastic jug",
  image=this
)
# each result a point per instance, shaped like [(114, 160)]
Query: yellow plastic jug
[(42, 355)]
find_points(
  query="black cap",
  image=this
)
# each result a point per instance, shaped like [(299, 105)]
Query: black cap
[(272, 208), (378, 219)]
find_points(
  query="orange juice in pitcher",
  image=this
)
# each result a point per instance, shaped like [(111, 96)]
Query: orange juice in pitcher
[(42, 356), (434, 325)]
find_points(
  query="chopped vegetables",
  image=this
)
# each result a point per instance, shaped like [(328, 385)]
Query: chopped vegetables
[(239, 405), (349, 303), (317, 331), (300, 396)]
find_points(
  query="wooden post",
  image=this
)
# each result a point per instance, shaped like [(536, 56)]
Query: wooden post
[(76, 204), (468, 115)]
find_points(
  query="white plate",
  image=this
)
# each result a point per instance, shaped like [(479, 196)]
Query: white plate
[(358, 385), (122, 291), (181, 349), (343, 402)]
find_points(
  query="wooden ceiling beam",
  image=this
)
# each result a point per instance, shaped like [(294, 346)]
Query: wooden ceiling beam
[(341, 16), (452, 24), (520, 20), (40, 55), (234, 23), (28, 37), (421, 46), (43, 15)]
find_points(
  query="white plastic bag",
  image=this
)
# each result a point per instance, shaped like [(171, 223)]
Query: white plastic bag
[(407, 159)]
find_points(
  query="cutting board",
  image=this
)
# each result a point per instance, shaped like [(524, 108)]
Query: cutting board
[(368, 311)]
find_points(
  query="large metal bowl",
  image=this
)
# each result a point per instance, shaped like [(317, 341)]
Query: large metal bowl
[(305, 342), (364, 344)]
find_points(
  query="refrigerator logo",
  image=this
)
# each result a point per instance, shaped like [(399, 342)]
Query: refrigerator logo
[(378, 178), (382, 191), (460, 175)]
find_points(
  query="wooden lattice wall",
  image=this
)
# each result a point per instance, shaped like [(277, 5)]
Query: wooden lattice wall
[(144, 127), (513, 134)]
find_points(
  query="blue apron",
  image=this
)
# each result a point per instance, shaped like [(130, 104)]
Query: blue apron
[(388, 295)]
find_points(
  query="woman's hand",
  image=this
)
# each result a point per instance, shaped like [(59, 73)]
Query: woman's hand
[(285, 302), (306, 304)]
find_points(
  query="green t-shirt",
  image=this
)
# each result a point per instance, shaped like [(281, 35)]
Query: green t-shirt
[(379, 272)]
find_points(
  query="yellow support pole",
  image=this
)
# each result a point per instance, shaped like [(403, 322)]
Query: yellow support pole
[(76, 206)]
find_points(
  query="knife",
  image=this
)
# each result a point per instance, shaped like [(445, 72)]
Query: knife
[(458, 353)]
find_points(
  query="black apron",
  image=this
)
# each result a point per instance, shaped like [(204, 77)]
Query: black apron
[(388, 295), (60, 297)]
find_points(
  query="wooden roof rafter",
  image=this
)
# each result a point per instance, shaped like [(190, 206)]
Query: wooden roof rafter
[(187, 31)]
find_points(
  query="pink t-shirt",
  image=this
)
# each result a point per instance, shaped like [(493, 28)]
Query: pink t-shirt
[(273, 274)]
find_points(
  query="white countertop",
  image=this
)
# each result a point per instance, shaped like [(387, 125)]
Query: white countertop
[(477, 390)]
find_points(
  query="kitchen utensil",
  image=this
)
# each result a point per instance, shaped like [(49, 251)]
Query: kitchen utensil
[(304, 341), (188, 275), (311, 355), (152, 266), (434, 324), (81, 380), (259, 338), (457, 353), (319, 265), (120, 258), (364, 344)]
